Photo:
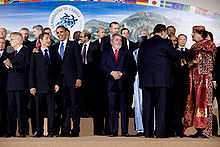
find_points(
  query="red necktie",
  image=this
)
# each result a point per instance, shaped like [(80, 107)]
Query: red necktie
[(116, 55), (15, 52), (38, 44)]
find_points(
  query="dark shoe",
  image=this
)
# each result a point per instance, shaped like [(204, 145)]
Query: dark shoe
[(64, 135), (22, 136), (38, 135), (113, 135), (9, 135), (124, 134), (140, 134), (201, 136), (50, 135), (74, 134)]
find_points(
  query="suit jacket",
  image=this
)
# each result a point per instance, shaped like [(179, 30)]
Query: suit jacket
[(3, 71), (105, 43), (132, 46), (18, 75), (71, 65), (155, 61), (109, 64), (42, 76), (33, 44), (27, 43)]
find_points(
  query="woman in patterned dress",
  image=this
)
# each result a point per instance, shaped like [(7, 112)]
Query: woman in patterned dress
[(198, 111)]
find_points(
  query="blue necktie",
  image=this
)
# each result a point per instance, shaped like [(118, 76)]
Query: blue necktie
[(62, 50), (46, 56)]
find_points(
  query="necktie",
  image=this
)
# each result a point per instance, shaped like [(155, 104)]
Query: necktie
[(46, 56), (15, 52), (62, 50), (116, 55), (84, 54), (38, 44)]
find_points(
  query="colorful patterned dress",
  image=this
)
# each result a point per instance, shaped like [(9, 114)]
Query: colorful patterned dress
[(198, 111)]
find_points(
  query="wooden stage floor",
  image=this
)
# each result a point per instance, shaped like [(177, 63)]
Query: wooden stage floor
[(104, 141)]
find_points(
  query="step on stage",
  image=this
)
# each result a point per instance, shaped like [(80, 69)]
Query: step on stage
[(87, 139)]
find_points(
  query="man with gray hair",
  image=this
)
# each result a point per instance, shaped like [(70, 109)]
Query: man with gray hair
[(114, 65), (25, 34), (37, 30), (17, 64)]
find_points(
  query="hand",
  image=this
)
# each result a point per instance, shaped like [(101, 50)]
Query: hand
[(115, 74), (33, 91), (214, 84), (191, 63), (183, 62), (56, 88), (78, 83), (8, 63), (35, 50)]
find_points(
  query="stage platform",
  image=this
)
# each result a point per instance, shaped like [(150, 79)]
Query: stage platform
[(104, 141)]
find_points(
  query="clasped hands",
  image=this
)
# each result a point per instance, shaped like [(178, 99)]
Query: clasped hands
[(116, 74), (8, 63)]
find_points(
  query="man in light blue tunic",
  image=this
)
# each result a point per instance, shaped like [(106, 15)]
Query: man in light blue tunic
[(138, 93)]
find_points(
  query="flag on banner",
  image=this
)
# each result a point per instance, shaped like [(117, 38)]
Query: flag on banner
[(2, 2), (107, 0), (155, 3), (131, 1), (30, 1), (186, 8), (95, 0), (192, 9), (178, 6), (215, 16), (166, 4), (119, 1), (48, 0), (142, 2)]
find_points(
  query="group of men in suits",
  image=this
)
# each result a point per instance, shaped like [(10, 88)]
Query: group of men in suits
[(96, 75)]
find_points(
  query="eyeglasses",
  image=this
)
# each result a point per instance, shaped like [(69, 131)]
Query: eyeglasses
[(13, 39)]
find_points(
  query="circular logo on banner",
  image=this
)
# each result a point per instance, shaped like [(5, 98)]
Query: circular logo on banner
[(68, 16)]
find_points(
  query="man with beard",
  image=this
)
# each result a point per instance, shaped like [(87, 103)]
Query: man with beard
[(114, 64)]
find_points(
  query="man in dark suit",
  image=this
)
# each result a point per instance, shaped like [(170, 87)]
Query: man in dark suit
[(89, 54), (114, 64), (17, 86), (100, 114), (43, 82), (25, 34), (114, 29), (3, 34), (71, 77), (178, 93), (155, 59), (101, 34), (3, 85), (37, 30), (48, 30)]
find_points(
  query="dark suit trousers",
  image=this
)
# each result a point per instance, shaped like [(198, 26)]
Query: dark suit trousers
[(17, 108), (3, 112), (155, 97), (116, 99), (39, 102), (70, 107)]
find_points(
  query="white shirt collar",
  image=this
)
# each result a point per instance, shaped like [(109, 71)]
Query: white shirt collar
[(19, 48)]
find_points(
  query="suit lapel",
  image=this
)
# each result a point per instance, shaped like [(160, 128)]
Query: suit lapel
[(119, 55), (66, 50), (111, 52), (41, 56)]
